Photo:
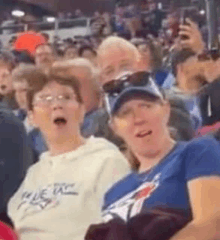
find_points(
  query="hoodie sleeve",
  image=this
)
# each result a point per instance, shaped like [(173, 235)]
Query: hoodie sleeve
[(113, 169)]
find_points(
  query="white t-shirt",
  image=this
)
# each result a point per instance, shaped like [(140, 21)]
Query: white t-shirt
[(62, 195)]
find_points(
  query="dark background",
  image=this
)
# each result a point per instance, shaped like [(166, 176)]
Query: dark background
[(87, 6)]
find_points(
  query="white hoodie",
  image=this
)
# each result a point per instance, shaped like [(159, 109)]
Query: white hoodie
[(62, 195)]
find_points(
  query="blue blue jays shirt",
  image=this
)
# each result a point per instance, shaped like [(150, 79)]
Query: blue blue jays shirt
[(166, 184)]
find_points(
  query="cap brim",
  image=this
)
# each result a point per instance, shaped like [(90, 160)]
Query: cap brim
[(134, 94)]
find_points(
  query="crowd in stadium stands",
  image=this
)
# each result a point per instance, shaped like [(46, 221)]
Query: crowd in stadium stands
[(111, 136)]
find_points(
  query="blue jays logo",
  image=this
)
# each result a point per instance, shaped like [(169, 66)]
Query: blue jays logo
[(131, 204)]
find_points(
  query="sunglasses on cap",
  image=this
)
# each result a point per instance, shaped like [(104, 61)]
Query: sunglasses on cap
[(115, 87)]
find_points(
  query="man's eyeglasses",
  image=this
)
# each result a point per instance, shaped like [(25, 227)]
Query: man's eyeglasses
[(48, 100), (117, 86)]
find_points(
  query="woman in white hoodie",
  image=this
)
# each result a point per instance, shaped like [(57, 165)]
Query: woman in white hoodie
[(62, 193)]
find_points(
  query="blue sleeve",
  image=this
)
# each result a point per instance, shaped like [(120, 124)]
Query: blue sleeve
[(202, 158)]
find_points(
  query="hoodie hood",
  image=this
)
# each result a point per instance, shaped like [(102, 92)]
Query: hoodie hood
[(91, 146)]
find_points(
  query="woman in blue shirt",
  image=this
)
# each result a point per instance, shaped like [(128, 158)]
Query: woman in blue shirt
[(177, 175)]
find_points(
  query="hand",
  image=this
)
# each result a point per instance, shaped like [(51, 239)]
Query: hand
[(194, 41)]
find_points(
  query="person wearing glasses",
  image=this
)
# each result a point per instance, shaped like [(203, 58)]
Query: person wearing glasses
[(172, 174), (62, 193)]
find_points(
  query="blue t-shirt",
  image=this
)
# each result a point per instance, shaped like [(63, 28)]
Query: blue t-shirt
[(166, 184)]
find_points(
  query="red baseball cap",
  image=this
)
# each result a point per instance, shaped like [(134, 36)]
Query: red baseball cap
[(28, 41)]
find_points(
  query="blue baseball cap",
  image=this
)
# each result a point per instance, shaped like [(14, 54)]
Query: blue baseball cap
[(126, 89)]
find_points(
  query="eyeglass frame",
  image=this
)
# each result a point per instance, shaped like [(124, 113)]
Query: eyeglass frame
[(44, 100)]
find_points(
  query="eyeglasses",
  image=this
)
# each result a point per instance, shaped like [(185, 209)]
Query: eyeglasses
[(209, 55), (48, 100), (117, 86)]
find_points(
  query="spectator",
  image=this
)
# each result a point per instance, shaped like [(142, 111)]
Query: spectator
[(15, 158), (97, 24), (44, 56), (107, 28), (116, 55), (62, 193), (172, 30), (70, 52), (7, 64), (89, 53), (120, 27), (176, 175), (78, 14), (152, 22), (88, 77), (24, 77), (152, 62), (46, 37)]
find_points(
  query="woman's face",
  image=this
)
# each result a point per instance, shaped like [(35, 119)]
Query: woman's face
[(141, 123), (57, 112)]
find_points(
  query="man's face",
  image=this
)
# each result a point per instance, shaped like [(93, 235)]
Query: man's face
[(6, 86), (44, 56), (21, 93), (114, 61)]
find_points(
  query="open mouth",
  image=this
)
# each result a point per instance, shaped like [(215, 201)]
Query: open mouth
[(3, 87), (144, 134), (60, 121)]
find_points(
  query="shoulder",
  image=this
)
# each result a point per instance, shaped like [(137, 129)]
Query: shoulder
[(7, 117), (201, 158), (198, 147), (106, 152), (100, 144), (207, 143), (35, 167)]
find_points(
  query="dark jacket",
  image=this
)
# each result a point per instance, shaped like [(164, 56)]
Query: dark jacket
[(15, 156), (209, 103), (157, 224)]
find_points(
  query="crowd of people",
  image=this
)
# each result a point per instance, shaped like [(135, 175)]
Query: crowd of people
[(112, 136)]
